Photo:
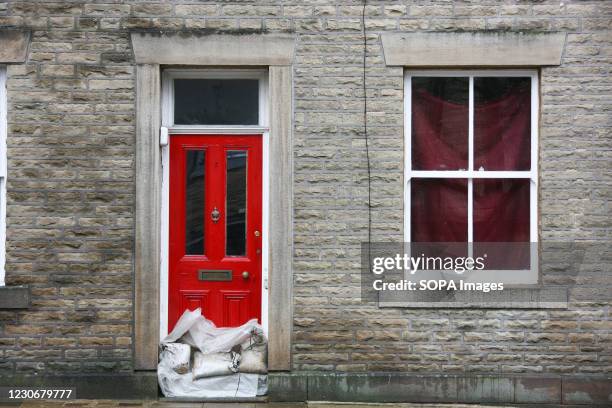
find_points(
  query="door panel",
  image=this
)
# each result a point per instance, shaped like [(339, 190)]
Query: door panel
[(236, 307), (215, 227), (192, 299)]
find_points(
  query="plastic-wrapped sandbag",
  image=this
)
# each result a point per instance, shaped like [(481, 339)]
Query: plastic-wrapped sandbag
[(253, 362), (214, 364), (254, 355), (187, 320), (256, 339), (197, 331), (177, 355), (238, 385)]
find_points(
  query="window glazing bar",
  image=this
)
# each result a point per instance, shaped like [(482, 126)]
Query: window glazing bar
[(217, 130), (469, 174), (470, 186)]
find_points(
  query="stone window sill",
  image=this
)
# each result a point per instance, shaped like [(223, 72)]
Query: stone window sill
[(14, 297), (475, 305), (511, 298)]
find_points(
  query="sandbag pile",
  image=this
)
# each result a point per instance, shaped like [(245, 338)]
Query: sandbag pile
[(198, 359)]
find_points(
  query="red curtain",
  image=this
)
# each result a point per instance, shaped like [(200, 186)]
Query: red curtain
[(502, 132), (439, 210), (439, 133), (501, 222), (440, 142)]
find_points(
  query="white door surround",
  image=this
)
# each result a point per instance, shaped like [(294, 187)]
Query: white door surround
[(151, 50)]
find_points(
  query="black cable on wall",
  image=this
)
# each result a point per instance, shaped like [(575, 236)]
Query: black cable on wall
[(365, 125)]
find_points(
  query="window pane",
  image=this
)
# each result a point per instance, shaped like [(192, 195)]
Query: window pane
[(216, 101), (438, 210), (440, 123), (194, 202), (236, 202), (502, 123), (501, 210), (501, 216)]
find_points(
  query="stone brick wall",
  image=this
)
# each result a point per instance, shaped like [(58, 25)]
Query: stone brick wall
[(71, 183)]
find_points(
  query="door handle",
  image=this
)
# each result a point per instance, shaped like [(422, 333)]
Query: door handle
[(245, 275)]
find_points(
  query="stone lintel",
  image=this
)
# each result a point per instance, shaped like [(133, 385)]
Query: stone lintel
[(193, 48), (478, 49)]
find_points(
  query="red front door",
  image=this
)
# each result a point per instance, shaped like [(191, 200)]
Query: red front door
[(215, 227)]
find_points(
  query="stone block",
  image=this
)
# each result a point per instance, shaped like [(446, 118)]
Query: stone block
[(591, 391), (381, 388), (14, 297), (537, 390), (14, 45), (485, 389), (286, 387)]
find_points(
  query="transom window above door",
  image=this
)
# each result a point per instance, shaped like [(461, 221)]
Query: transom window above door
[(217, 98), (471, 156)]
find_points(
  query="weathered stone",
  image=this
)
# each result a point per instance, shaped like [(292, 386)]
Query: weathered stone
[(14, 46), (473, 49)]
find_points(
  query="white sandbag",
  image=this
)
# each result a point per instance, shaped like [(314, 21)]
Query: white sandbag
[(238, 385), (197, 331), (253, 362), (177, 355), (254, 352), (214, 340), (214, 364)]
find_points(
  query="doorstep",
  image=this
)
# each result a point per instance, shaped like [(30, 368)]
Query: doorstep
[(229, 399)]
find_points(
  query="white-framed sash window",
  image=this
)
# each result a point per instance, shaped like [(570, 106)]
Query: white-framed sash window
[(471, 158)]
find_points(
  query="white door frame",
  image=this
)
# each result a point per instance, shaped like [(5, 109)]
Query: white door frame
[(169, 128), (3, 170)]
